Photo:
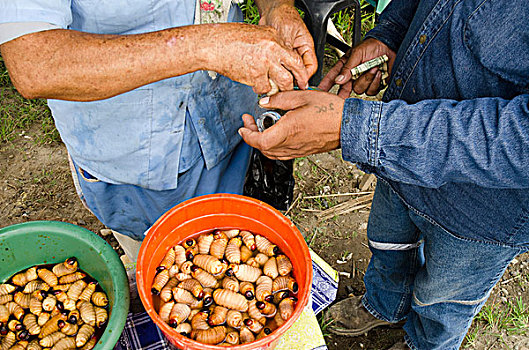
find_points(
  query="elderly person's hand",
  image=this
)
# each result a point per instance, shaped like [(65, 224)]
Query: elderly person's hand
[(369, 82), (284, 17), (254, 55), (312, 125)]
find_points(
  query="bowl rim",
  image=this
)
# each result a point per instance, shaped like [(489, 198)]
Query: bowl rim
[(257, 344), (120, 283)]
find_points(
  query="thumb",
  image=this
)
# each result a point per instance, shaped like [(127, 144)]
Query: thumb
[(354, 60), (287, 100), (250, 137)]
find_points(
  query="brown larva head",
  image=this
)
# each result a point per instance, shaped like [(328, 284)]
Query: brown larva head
[(229, 272), (194, 268), (23, 335), (249, 295), (59, 305), (269, 298), (248, 322), (155, 291), (276, 250), (208, 301), (200, 295), (160, 269), (72, 319), (253, 247), (4, 330), (71, 261), (189, 254), (211, 323), (267, 331), (260, 305), (189, 243), (173, 323), (295, 287), (61, 324)]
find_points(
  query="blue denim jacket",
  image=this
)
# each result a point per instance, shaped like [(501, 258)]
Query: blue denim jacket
[(147, 136), (452, 133)]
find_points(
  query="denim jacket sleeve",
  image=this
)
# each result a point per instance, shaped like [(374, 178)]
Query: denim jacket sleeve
[(394, 22), (483, 141)]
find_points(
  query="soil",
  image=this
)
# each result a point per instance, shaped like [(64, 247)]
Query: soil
[(35, 184)]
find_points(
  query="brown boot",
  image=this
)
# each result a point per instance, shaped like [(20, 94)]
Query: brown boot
[(349, 317)]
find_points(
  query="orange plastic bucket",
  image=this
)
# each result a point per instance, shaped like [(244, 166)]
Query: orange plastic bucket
[(222, 211)]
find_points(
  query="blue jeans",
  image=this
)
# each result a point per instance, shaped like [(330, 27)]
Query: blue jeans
[(131, 210), (435, 279)]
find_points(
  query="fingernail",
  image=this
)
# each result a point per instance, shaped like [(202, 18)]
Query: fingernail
[(339, 78), (240, 132), (264, 100)]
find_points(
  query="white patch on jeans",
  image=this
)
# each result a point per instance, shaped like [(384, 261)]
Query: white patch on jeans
[(394, 246), (462, 302)]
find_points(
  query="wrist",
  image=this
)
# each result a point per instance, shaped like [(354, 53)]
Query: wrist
[(213, 43), (268, 11)]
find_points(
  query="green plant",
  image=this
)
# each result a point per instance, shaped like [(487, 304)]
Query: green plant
[(518, 316), (343, 21), (471, 337), (250, 12), (324, 324), (18, 113)]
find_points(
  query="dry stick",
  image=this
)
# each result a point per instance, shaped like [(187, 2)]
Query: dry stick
[(312, 238), (338, 195), (293, 204), (511, 279), (366, 181), (493, 343), (318, 166), (310, 210), (323, 179), (346, 207)]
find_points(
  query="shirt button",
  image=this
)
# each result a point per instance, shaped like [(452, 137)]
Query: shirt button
[(422, 39), (398, 82)]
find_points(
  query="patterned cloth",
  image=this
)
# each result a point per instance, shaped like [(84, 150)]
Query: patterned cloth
[(141, 333)]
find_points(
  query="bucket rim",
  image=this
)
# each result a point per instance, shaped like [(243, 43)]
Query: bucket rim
[(120, 283), (257, 344)]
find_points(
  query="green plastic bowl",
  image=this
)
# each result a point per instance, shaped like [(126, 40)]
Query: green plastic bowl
[(47, 242)]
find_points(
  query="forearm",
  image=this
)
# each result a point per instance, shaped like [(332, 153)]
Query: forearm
[(482, 141), (71, 65)]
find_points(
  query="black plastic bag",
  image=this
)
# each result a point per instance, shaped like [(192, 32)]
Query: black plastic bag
[(271, 181)]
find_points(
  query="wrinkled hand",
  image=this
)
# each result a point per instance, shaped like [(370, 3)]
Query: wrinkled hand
[(254, 54), (294, 34), (369, 82), (312, 125)]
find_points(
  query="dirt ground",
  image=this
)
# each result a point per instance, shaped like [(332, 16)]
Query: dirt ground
[(35, 184)]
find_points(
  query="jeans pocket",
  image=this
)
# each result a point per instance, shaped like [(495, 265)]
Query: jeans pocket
[(86, 176)]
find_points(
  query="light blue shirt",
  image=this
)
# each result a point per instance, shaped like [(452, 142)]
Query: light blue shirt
[(147, 136)]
